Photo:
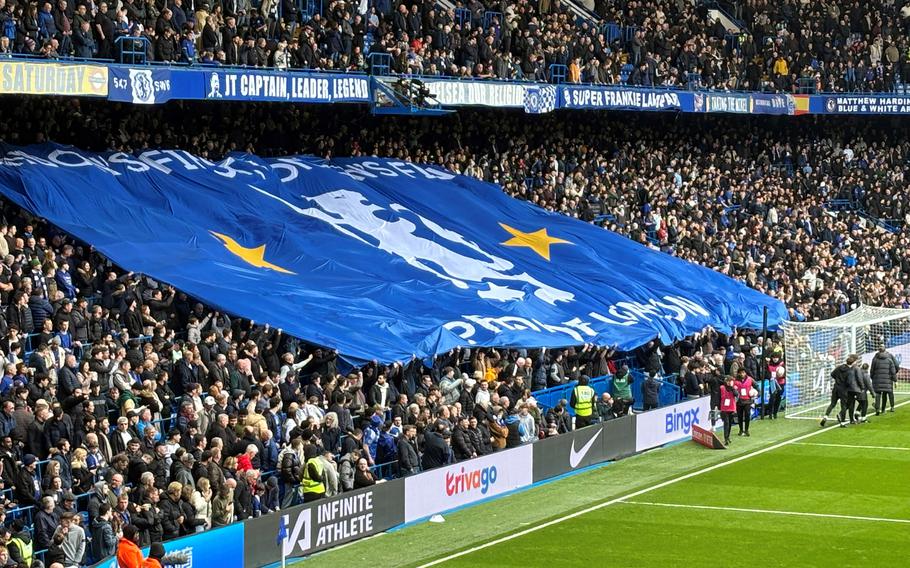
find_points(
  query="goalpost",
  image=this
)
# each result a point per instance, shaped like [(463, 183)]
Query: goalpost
[(813, 349)]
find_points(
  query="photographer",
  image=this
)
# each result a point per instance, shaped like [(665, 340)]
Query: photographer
[(745, 393), (728, 406)]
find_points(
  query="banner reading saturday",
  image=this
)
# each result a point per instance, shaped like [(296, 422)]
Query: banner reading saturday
[(33, 78)]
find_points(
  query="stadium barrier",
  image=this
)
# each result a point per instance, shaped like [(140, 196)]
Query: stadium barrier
[(326, 523), (670, 423), (313, 527), (595, 444), (221, 547), (157, 84)]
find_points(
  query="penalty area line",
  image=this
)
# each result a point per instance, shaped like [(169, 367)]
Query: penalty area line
[(632, 495), (769, 512), (892, 448)]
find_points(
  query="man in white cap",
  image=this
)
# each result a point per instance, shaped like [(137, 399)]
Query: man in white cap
[(207, 417)]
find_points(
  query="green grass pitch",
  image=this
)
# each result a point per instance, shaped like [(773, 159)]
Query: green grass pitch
[(816, 501)]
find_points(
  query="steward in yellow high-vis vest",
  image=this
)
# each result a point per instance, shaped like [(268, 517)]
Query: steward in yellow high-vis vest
[(312, 483), (582, 402)]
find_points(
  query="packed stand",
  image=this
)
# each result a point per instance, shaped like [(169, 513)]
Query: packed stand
[(128, 401), (806, 46), (124, 403)]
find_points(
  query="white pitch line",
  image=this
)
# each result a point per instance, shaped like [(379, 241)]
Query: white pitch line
[(629, 496), (769, 512), (894, 448)]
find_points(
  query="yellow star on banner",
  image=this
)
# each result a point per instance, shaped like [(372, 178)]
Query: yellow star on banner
[(253, 256), (538, 241)]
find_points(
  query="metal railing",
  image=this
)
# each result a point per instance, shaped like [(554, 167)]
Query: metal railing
[(133, 50)]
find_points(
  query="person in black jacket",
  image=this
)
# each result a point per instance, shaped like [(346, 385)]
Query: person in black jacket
[(46, 521), (751, 365), (854, 389), (560, 416), (883, 372), (190, 522), (171, 512), (461, 441), (18, 314), (147, 518), (691, 383), (27, 486), (436, 450), (865, 386), (651, 392), (166, 46), (408, 457), (243, 495), (476, 436), (842, 378)]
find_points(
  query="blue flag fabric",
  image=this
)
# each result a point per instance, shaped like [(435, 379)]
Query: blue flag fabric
[(282, 531), (539, 100), (377, 258)]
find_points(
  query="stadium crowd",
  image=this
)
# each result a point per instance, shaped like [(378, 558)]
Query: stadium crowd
[(125, 399), (833, 46)]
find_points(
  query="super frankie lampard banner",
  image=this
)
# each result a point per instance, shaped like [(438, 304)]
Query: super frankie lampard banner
[(377, 258)]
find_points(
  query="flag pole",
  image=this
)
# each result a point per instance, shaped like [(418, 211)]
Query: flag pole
[(282, 540)]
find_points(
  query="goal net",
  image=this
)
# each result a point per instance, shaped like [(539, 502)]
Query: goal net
[(813, 349)]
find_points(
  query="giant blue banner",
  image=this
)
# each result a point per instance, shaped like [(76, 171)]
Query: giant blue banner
[(377, 258)]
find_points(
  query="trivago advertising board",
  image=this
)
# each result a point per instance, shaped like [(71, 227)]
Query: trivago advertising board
[(467, 482), (670, 423)]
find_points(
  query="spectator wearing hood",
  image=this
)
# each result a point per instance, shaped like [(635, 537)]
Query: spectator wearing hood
[(20, 546), (371, 437), (528, 426), (159, 559), (516, 431)]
